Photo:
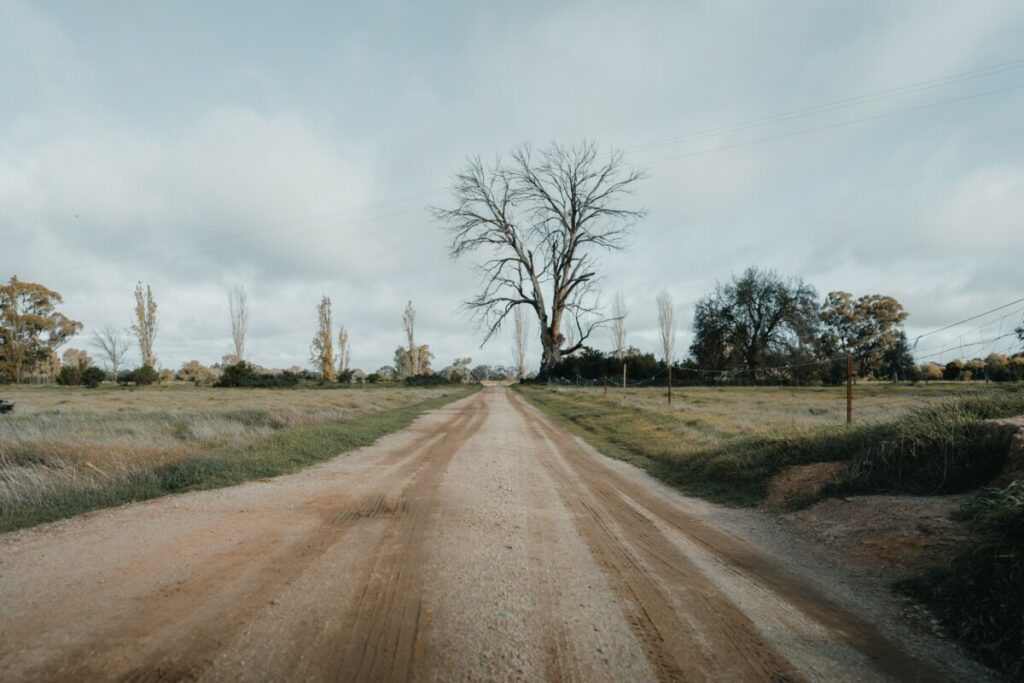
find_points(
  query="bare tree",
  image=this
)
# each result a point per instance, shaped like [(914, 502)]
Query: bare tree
[(619, 314), (542, 223), (666, 326), (145, 325), (343, 349), (238, 303), (519, 343), (321, 351), (113, 346)]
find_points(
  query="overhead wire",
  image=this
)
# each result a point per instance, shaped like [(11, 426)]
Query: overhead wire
[(275, 231)]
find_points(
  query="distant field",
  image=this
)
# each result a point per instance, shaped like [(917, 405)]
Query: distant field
[(725, 442), (68, 449)]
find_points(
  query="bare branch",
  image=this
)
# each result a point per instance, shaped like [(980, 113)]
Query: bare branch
[(538, 219)]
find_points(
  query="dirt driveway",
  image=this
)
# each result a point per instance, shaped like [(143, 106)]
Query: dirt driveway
[(482, 543)]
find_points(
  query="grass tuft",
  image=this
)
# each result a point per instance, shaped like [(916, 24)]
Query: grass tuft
[(979, 596)]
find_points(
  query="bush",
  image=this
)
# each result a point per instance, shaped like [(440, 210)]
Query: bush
[(979, 595), (93, 376), (194, 371), (70, 376), (243, 374), (426, 380), (935, 449), (142, 376)]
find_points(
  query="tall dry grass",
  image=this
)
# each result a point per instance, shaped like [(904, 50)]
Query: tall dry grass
[(68, 447)]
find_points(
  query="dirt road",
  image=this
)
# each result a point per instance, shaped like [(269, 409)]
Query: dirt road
[(482, 543)]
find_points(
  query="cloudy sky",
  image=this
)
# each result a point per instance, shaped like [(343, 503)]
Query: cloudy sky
[(295, 150)]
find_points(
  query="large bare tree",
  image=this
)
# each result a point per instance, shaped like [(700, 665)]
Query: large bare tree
[(145, 325), (238, 304), (519, 341), (667, 329), (541, 221), (113, 346)]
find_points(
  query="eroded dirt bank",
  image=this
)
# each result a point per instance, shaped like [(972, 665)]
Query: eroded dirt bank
[(482, 543)]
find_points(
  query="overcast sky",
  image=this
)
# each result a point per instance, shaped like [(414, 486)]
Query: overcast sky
[(294, 150)]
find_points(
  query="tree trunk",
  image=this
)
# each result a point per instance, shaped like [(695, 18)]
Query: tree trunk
[(551, 352)]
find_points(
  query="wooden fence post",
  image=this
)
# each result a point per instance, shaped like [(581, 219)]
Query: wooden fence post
[(849, 389)]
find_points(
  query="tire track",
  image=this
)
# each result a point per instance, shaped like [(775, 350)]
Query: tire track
[(383, 638), (223, 593), (610, 487), (711, 639)]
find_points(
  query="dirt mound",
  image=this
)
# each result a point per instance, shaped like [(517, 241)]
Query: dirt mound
[(796, 483), (899, 534)]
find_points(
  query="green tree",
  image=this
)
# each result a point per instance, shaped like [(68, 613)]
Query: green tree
[(864, 328), (31, 327), (954, 370), (756, 320), (898, 360)]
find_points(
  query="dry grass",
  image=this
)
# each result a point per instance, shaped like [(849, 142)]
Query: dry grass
[(73, 444), (725, 442)]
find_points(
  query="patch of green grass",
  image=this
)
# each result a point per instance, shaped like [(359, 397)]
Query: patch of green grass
[(727, 453), (286, 450), (979, 595)]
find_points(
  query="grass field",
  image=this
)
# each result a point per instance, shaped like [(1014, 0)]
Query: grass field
[(724, 443), (66, 450)]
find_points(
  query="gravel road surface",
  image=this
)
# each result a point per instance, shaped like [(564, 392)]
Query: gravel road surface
[(481, 543)]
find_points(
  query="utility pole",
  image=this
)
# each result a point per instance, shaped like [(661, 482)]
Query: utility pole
[(623, 381), (849, 389)]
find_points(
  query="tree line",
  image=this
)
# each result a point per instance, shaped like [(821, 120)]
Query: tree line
[(760, 327), (537, 223), (33, 330)]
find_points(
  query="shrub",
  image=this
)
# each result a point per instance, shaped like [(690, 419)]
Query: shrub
[(426, 380), (93, 376), (70, 376), (979, 595), (194, 371), (935, 449), (373, 378), (243, 374), (142, 376)]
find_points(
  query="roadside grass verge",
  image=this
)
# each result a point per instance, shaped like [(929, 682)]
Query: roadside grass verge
[(979, 596), (38, 486), (930, 449)]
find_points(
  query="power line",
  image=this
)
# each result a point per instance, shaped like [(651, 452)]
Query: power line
[(979, 327), (961, 347), (838, 104), (966, 320), (840, 124), (276, 233)]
